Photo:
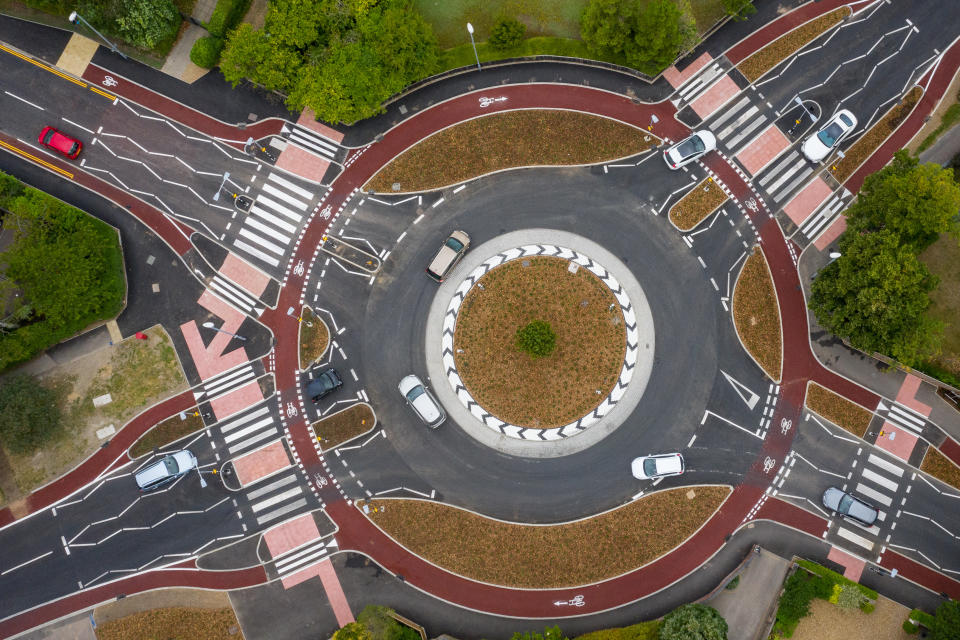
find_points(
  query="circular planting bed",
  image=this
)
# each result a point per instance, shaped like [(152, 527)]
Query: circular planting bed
[(553, 390)]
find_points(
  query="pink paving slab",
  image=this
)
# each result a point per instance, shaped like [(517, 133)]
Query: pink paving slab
[(676, 77), (303, 575), (715, 97), (807, 201), (832, 233), (208, 359), (853, 566), (237, 400), (309, 120), (252, 466), (302, 163), (899, 442), (338, 601), (907, 395), (763, 149), (292, 534), (232, 318), (244, 274)]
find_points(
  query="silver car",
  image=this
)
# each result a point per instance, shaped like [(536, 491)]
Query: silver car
[(849, 507), (422, 401), (165, 470)]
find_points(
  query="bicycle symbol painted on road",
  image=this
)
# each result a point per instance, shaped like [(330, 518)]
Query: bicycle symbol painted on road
[(486, 102), (291, 409), (752, 205), (320, 480), (298, 270), (785, 425), (768, 464), (575, 601), (326, 211), (109, 81)]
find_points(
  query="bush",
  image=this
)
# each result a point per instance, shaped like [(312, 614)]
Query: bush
[(507, 33), (739, 9), (693, 622), (29, 414), (836, 578), (537, 339), (649, 630), (946, 622), (867, 607), (226, 15), (800, 589), (206, 52), (909, 627), (922, 618), (733, 584)]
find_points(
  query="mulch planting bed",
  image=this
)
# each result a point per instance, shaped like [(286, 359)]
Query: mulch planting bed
[(870, 141), (170, 430), (786, 45), (173, 622), (838, 410), (542, 557), (756, 314), (941, 467), (505, 140), (699, 203), (342, 426), (539, 392), (314, 337)]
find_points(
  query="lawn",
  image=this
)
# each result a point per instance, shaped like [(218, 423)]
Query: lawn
[(757, 316), (943, 259), (548, 556), (697, 204), (505, 140), (539, 392), (838, 410)]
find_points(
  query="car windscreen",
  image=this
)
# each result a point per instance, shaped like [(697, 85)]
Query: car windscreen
[(829, 135), (844, 506), (454, 244), (415, 393), (171, 465), (690, 146), (650, 467)]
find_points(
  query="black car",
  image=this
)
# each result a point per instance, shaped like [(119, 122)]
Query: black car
[(323, 384)]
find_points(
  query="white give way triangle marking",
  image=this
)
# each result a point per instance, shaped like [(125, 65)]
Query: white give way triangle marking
[(745, 394)]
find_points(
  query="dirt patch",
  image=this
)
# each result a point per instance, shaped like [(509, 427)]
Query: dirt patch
[(506, 140), (136, 373), (257, 13), (838, 410), (539, 392), (174, 622), (829, 622), (756, 314), (170, 430), (540, 557), (869, 142), (314, 337), (786, 45), (700, 202), (941, 467), (344, 425)]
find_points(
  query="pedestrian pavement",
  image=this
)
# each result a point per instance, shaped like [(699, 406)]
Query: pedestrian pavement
[(748, 608)]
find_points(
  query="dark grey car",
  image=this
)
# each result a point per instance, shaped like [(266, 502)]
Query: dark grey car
[(849, 506), (324, 383)]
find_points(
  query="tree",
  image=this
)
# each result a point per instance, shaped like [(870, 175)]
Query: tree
[(294, 23), (144, 23), (352, 631), (507, 33), (739, 10), (549, 633), (29, 414), (916, 201), (251, 54), (693, 622), (876, 295), (946, 621), (606, 25), (537, 339)]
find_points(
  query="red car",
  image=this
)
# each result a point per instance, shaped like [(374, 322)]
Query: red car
[(63, 144)]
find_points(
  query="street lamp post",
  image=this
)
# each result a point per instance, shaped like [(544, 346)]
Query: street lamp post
[(210, 325), (475, 54), (216, 196), (76, 18)]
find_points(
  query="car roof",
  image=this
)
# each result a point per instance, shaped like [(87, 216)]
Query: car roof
[(427, 407), (669, 463)]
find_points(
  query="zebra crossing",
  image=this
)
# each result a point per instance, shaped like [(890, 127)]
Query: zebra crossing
[(733, 125), (277, 496), (235, 296), (824, 216), (274, 218), (904, 417), (785, 176), (303, 557), (225, 382), (879, 483), (249, 430), (311, 141), (699, 83)]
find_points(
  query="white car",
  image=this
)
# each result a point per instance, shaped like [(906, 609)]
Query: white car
[(819, 145), (686, 151), (165, 470), (659, 466), (422, 401)]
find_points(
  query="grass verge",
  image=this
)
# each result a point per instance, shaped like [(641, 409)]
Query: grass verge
[(649, 630), (170, 430), (508, 140), (535, 556), (847, 415), (539, 392), (314, 337), (941, 467), (870, 141), (786, 45), (950, 117), (344, 425), (173, 622), (943, 260), (697, 204), (756, 314)]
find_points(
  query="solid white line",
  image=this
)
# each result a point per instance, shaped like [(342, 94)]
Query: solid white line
[(876, 478), (873, 493), (885, 465), (854, 538), (23, 564), (289, 186), (36, 106)]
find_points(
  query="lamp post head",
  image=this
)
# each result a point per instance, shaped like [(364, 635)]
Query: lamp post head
[(209, 325), (73, 17), (470, 28)]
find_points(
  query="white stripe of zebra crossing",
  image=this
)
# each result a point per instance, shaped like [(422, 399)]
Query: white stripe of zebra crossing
[(276, 484), (276, 513), (259, 226), (905, 419), (279, 208), (303, 562), (216, 381), (295, 554), (876, 478), (730, 112), (886, 465), (777, 168), (289, 186), (233, 424), (253, 427), (263, 242), (230, 297), (732, 143), (241, 299), (739, 121), (310, 144), (316, 138), (220, 389), (277, 193), (272, 219), (238, 291), (793, 185), (256, 253), (870, 492), (800, 164), (243, 444), (854, 538)]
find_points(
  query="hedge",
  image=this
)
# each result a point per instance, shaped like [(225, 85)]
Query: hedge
[(641, 631), (835, 577), (226, 15), (921, 618), (206, 52)]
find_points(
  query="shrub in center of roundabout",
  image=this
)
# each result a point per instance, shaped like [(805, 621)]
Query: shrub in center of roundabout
[(537, 339)]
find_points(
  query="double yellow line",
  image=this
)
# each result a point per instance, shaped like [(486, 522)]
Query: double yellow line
[(40, 161), (59, 74)]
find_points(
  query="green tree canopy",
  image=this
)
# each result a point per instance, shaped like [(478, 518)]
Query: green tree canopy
[(29, 413), (549, 633), (693, 622), (946, 621), (876, 295), (916, 201), (251, 54), (537, 339), (144, 23), (294, 23)]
